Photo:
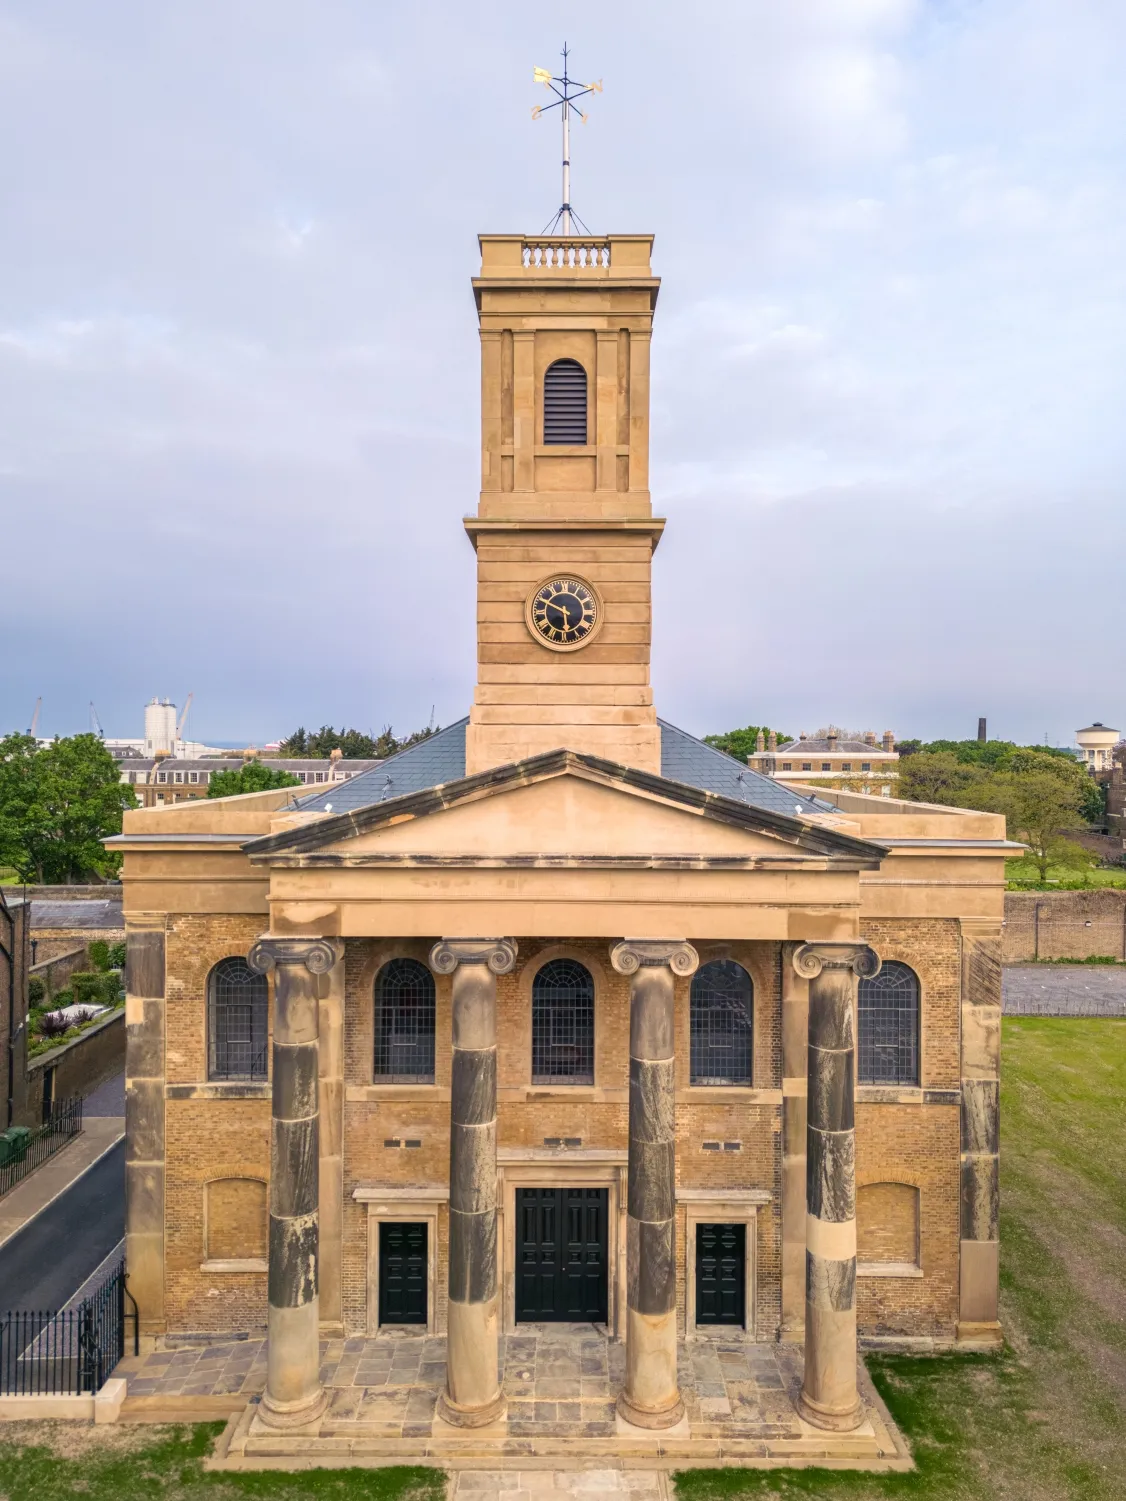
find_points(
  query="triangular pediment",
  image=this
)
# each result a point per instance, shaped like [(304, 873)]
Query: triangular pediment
[(563, 808)]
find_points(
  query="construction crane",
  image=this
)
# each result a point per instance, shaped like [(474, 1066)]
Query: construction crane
[(95, 722), (34, 725), (184, 717)]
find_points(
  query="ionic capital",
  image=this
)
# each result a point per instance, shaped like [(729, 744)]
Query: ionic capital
[(632, 954), (498, 953), (316, 954), (811, 958)]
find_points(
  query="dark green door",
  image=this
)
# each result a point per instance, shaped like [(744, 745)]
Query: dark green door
[(721, 1278), (561, 1255), (402, 1274)]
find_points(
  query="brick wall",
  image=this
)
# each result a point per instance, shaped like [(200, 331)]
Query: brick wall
[(206, 1139), (79, 1065), (51, 942), (1064, 925)]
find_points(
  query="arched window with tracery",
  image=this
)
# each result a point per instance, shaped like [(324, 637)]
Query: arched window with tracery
[(564, 403), (721, 1024), (404, 1023), (888, 1026), (238, 1004), (563, 1024)]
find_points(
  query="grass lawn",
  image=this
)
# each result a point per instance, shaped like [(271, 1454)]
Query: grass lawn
[(1022, 875), (1043, 1421)]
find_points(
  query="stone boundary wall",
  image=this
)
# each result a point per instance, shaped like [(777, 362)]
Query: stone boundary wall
[(81, 1064), (110, 891), (1064, 925), (55, 973)]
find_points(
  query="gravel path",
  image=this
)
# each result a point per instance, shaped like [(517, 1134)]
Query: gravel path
[(1064, 990)]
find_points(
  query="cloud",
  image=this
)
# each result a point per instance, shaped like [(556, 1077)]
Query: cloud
[(239, 358)]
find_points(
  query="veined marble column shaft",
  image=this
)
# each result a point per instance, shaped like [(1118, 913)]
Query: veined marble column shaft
[(829, 1397), (472, 1397), (651, 1397), (294, 1395)]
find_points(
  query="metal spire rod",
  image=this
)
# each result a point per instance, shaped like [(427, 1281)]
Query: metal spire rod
[(565, 102)]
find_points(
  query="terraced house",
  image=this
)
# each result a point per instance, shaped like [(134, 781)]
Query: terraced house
[(562, 1015)]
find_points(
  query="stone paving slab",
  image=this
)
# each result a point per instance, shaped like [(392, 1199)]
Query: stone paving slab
[(1064, 990), (560, 1381)]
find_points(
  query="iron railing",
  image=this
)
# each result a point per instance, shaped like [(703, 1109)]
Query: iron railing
[(21, 1155), (71, 1351)]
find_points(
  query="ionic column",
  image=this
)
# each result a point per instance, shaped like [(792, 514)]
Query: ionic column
[(795, 1068), (828, 1396), (294, 1395), (651, 1397), (473, 1396)]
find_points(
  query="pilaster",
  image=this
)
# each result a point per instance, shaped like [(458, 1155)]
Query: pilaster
[(144, 1117), (795, 1026), (978, 1311)]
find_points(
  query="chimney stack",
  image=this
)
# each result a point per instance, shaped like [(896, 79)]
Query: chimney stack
[(760, 743), (869, 737), (772, 740), (889, 741), (981, 735), (831, 737)]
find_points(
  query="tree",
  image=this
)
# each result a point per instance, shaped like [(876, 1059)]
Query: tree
[(353, 744), (742, 743), (295, 745), (937, 777), (1039, 807), (57, 805), (252, 776)]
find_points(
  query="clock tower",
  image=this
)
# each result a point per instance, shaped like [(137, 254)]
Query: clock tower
[(564, 531)]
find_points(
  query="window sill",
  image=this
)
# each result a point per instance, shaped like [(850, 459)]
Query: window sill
[(232, 1089), (718, 1094), (237, 1264), (891, 1094), (888, 1269), (359, 1092)]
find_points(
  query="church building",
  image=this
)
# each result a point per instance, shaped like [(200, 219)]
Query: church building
[(562, 1016)]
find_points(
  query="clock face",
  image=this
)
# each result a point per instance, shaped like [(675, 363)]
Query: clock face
[(564, 612)]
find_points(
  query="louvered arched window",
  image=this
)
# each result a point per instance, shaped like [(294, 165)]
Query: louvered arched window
[(564, 403), (563, 1024), (721, 1031), (404, 1023), (888, 1026), (238, 1001)]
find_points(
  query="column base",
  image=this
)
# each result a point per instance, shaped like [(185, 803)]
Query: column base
[(979, 1335), (640, 1417), (300, 1414), (471, 1417), (833, 1419)]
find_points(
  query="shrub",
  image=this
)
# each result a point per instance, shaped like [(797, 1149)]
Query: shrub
[(117, 955), (80, 1018), (53, 1025), (86, 985), (36, 991), (99, 954), (64, 998)]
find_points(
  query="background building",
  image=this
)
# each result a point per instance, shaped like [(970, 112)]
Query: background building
[(173, 779), (831, 758)]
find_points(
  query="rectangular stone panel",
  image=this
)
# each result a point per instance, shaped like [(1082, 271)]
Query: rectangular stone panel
[(473, 1168), (981, 1115), (144, 1120), (651, 1191), (830, 1099), (652, 1100), (144, 1040), (144, 963), (830, 1284), (980, 1198), (978, 1281), (981, 1041), (473, 1099), (650, 1266), (294, 1092)]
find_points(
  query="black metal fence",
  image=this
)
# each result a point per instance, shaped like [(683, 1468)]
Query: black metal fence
[(21, 1152), (69, 1352)]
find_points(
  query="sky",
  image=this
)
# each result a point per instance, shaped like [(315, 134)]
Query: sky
[(239, 357)]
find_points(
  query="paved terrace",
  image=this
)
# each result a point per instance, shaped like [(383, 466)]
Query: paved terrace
[(560, 1381)]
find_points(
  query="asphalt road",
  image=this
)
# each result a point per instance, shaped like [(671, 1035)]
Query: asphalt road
[(50, 1258)]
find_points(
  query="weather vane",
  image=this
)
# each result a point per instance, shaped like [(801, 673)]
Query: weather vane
[(566, 91)]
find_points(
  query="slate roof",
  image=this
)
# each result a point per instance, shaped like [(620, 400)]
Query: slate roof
[(442, 759), (82, 914), (431, 762), (818, 745)]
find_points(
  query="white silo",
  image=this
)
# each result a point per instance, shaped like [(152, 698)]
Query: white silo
[(160, 727)]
